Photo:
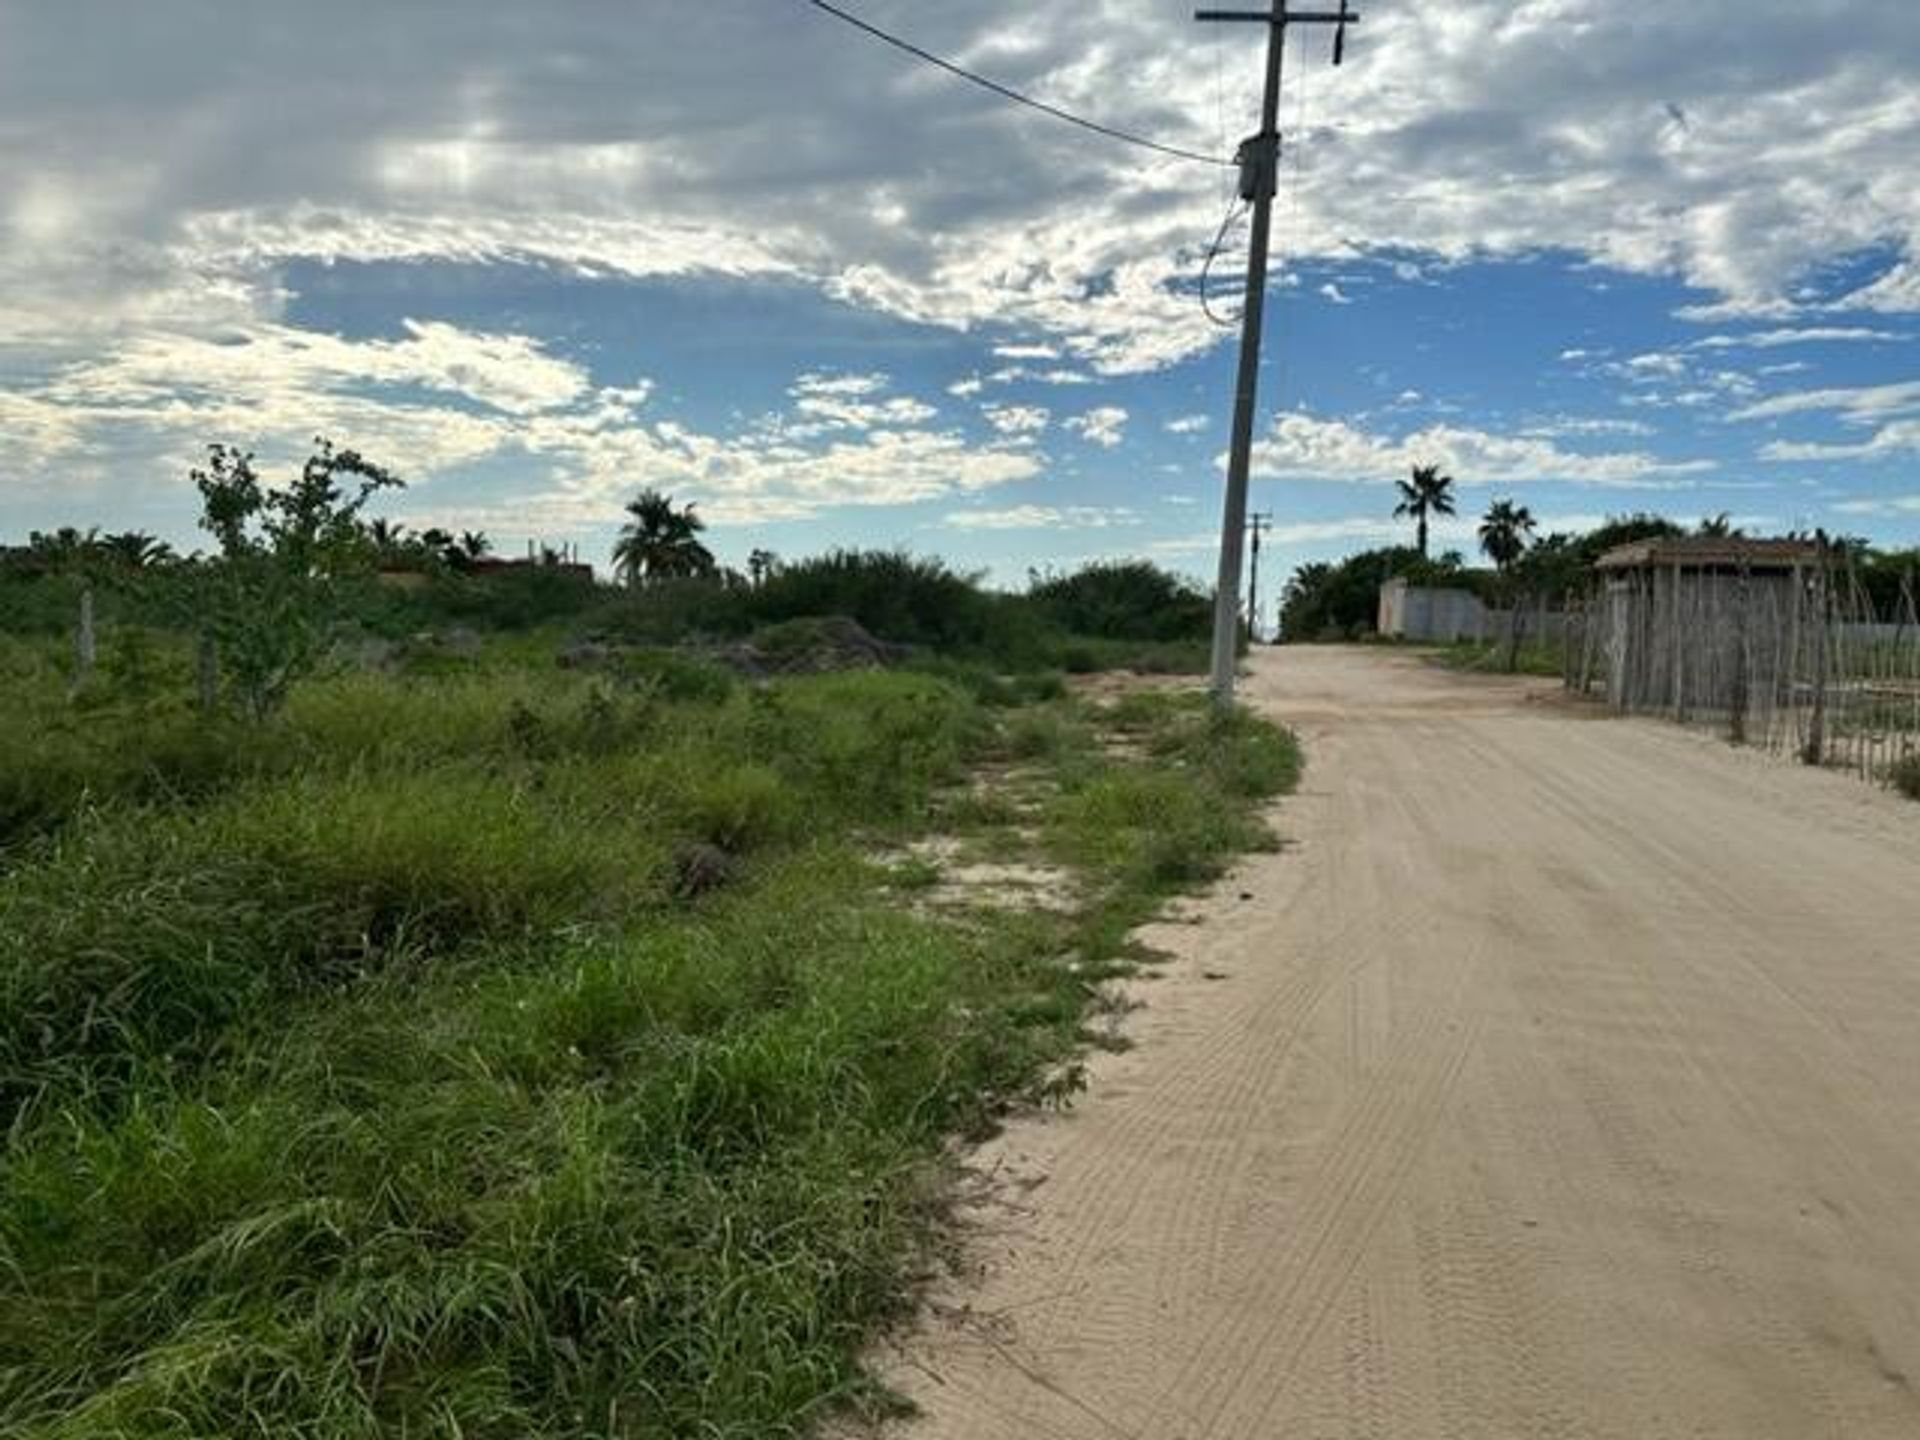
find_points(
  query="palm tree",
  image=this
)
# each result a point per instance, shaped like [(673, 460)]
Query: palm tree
[(474, 545), (1505, 532), (660, 540), (135, 549), (1720, 527), (762, 565), (386, 536), (1428, 493), (65, 548)]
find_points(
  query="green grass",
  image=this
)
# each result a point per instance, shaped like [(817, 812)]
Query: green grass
[(1534, 658), (373, 1079)]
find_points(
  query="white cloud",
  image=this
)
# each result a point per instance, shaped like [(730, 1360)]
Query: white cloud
[(1335, 295), (1861, 404), (1567, 425), (579, 452), (1901, 437), (1044, 517), (1303, 447), (1017, 419), (852, 402), (1461, 531), (1804, 335), (157, 176), (1888, 505), (1104, 425), (1189, 424), (1057, 375)]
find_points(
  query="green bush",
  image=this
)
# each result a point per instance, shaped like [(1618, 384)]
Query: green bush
[(676, 676), (908, 599), (1125, 600), (1906, 776)]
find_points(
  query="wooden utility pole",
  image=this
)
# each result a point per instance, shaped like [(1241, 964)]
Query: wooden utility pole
[(1259, 159), (1257, 525)]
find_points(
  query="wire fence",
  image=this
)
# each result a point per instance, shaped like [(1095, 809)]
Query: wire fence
[(1799, 661)]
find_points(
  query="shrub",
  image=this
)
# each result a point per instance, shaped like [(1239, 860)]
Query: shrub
[(741, 807), (1906, 776), (1125, 600), (904, 598), (679, 677)]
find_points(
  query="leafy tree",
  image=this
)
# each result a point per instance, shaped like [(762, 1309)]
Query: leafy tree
[(661, 541), (1427, 494), (269, 599), (1124, 600), (1624, 530)]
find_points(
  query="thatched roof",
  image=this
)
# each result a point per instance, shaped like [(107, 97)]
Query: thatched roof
[(1712, 552)]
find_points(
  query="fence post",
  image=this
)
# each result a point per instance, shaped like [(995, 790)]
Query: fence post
[(85, 648), (1816, 749), (1738, 707)]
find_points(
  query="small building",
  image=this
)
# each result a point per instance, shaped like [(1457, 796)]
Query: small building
[(1437, 614), (1701, 623)]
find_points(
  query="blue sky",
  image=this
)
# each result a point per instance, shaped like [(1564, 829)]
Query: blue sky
[(1595, 259)]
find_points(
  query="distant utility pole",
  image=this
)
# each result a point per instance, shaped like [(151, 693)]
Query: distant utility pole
[(1257, 525), (1259, 159)]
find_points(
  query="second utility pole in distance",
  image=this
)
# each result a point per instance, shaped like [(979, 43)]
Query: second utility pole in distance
[(1259, 176), (1257, 525)]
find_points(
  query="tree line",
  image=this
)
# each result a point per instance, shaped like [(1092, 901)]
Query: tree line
[(1340, 599)]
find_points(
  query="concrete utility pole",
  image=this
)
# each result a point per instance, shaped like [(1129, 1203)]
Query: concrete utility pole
[(1259, 159), (1257, 525)]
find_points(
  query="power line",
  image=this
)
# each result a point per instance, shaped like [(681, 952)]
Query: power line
[(1213, 254), (1014, 95)]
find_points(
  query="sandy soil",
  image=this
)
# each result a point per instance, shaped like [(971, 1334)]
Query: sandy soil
[(1562, 1079)]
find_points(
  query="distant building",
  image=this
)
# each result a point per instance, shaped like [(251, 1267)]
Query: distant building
[(1432, 613), (1688, 622)]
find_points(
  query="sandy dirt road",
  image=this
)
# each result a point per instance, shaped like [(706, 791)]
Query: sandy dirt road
[(1562, 1079)]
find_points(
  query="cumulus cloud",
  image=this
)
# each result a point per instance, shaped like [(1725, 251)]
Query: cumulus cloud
[(1303, 447), (157, 174), (1188, 424), (1017, 419), (851, 402), (1104, 425), (436, 404)]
